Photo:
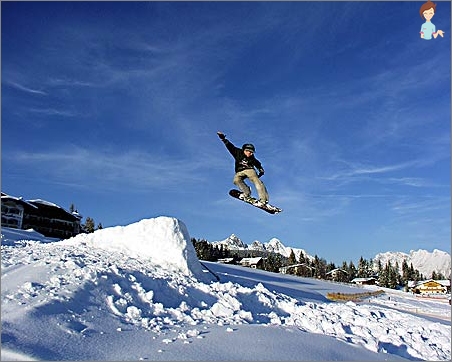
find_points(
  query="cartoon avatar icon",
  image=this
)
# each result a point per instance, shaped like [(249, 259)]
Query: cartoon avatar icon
[(428, 29)]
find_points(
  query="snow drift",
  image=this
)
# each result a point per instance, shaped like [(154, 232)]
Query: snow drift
[(164, 241), (131, 293)]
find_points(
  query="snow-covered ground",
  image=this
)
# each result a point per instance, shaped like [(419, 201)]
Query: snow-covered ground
[(138, 292)]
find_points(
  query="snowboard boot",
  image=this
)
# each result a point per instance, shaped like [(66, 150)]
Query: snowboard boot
[(245, 198), (261, 203)]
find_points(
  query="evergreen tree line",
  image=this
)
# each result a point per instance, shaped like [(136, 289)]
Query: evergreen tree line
[(209, 252), (89, 225), (387, 275)]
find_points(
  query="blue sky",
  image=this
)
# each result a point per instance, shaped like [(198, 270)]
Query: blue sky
[(114, 107)]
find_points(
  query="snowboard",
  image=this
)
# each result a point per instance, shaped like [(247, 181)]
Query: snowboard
[(268, 208)]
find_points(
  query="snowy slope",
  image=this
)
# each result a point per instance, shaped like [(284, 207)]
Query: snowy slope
[(135, 292), (12, 236)]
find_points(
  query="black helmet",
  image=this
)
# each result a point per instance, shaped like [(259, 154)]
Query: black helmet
[(248, 146)]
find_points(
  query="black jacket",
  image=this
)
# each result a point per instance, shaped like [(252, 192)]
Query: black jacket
[(241, 161)]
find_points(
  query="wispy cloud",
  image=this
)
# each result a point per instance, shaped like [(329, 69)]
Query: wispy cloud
[(413, 181), (110, 170), (355, 170), (52, 112), (427, 204), (25, 88), (66, 82)]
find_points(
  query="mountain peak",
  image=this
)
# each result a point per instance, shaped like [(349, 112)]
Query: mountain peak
[(232, 242), (426, 262)]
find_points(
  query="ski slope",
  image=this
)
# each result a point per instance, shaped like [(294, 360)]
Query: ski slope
[(138, 292)]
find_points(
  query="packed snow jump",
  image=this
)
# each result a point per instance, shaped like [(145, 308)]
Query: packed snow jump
[(245, 167)]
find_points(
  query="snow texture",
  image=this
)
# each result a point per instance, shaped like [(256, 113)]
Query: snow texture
[(138, 292)]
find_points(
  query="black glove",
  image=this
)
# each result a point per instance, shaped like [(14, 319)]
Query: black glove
[(221, 135), (261, 173)]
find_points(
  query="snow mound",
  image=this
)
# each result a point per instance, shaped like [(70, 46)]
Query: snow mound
[(120, 294), (163, 241)]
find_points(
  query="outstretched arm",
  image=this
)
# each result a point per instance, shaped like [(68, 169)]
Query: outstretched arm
[(439, 32), (229, 145)]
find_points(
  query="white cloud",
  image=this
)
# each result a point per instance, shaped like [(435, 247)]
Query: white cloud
[(26, 88), (111, 170)]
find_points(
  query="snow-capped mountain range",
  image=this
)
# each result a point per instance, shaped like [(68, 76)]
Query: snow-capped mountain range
[(424, 261), (274, 245)]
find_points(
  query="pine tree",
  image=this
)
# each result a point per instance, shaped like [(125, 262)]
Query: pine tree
[(394, 276), (362, 271), (202, 249), (351, 271), (273, 262), (319, 266), (383, 277), (345, 266), (291, 261), (405, 272), (397, 274), (301, 259), (89, 225)]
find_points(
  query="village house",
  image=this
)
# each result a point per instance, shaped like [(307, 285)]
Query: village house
[(254, 263), (430, 286), (294, 268), (336, 274), (42, 216)]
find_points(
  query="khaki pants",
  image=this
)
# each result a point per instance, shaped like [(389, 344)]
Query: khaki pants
[(252, 175)]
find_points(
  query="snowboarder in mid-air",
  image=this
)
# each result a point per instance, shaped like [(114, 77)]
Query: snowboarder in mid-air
[(245, 167)]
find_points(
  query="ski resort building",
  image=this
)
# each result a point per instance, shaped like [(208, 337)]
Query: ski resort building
[(42, 216), (430, 286), (13, 211)]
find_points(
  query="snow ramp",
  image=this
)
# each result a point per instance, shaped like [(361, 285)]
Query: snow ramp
[(163, 240)]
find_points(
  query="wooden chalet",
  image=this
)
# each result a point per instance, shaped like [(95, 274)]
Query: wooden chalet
[(336, 274), (430, 286)]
